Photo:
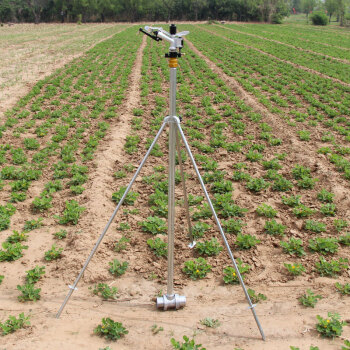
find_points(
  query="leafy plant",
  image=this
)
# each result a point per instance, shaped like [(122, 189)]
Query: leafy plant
[(302, 211), (331, 326), (281, 184), (61, 234), (12, 251), (17, 237), (71, 213), (325, 196), (199, 229), (307, 182), (293, 247), (340, 224), (35, 274), (292, 201), (299, 171), (128, 200), (233, 226), (266, 210), (210, 322), (158, 247), (209, 248), (328, 209), (246, 241), (324, 245), (295, 269), (54, 253), (118, 268), (29, 292), (272, 227), (154, 225), (32, 224), (105, 291), (197, 268), (257, 184), (110, 329), (230, 276), (315, 226), (13, 323), (331, 268), (186, 345), (347, 345), (345, 239), (156, 329), (121, 244), (343, 289), (255, 298), (309, 299)]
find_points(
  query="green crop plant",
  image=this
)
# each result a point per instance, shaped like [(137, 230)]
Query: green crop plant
[(343, 289), (299, 171), (257, 184), (246, 241), (239, 175), (255, 298), (42, 203), (18, 197), (324, 245), (17, 237), (272, 164), (131, 144), (186, 345), (274, 228), (340, 224), (128, 200), (331, 326), (302, 211), (31, 225), (153, 225), (29, 292), (13, 323), (18, 156), (31, 144), (71, 213), (199, 229), (281, 184), (204, 212), (253, 156), (121, 244), (11, 251), (233, 226), (304, 135), (110, 329), (118, 268), (209, 248), (6, 211), (315, 226), (230, 275), (292, 201), (345, 239), (53, 254), (331, 268), (295, 269), (1, 278), (156, 329), (347, 345), (221, 187), (307, 182), (35, 274), (61, 234), (266, 210), (210, 322), (328, 209), (197, 268), (325, 196), (105, 291), (293, 247), (309, 299), (214, 176), (158, 247), (120, 174)]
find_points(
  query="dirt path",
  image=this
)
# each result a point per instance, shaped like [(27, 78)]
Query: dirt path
[(279, 59), (288, 45)]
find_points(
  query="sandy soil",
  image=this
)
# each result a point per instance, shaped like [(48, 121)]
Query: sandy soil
[(284, 321)]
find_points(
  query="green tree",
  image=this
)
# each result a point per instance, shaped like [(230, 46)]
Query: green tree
[(307, 6), (331, 7)]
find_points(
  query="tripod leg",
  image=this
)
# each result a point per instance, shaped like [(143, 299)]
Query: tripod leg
[(187, 208), (251, 306), (72, 288)]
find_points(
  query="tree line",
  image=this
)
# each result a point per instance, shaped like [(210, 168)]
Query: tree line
[(271, 11)]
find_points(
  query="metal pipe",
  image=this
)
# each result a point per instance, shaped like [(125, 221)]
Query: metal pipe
[(251, 306), (72, 288)]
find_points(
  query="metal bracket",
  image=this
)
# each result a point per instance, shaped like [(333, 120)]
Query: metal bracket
[(71, 287)]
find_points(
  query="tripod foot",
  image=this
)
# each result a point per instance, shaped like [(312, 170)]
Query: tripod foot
[(167, 302)]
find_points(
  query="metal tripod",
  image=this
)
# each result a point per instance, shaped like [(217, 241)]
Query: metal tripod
[(170, 300)]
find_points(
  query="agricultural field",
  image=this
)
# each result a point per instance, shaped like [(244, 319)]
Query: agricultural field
[(266, 112)]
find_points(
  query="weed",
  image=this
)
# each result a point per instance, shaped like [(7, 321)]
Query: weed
[(210, 322), (186, 345), (154, 225), (293, 247), (272, 227), (53, 253), (309, 299), (118, 268), (266, 210), (105, 291), (128, 200), (197, 268), (156, 329), (331, 326), (12, 324), (110, 329), (35, 274), (230, 276), (71, 213), (331, 268), (29, 292), (246, 241), (324, 245), (295, 269), (157, 246)]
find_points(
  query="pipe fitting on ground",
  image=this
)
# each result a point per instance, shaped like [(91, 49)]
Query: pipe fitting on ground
[(167, 302)]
